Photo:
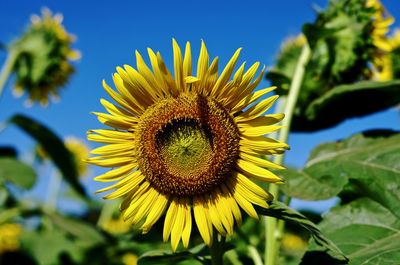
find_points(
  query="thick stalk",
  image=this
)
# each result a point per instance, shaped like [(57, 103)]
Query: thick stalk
[(217, 249), (272, 233), (255, 256), (7, 69)]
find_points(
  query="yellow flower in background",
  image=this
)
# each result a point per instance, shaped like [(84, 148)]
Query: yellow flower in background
[(9, 237), (42, 58), (381, 24), (384, 62), (292, 242), (297, 41), (384, 71), (187, 144), (129, 259), (80, 151), (115, 226)]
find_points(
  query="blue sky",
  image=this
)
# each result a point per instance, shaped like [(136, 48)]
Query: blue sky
[(109, 32)]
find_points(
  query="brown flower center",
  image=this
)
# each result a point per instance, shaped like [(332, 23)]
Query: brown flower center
[(187, 145)]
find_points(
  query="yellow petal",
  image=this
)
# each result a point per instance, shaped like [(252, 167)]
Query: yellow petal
[(269, 119), (259, 108), (116, 111), (260, 161), (132, 197), (261, 143), (232, 204), (243, 202), (118, 98), (178, 66), (191, 79), (251, 170), (112, 162), (203, 223), (129, 93), (169, 80), (169, 219), (127, 187), (259, 130), (157, 72), (202, 63), (134, 175), (103, 139), (225, 211), (226, 74), (252, 187), (112, 148), (139, 83), (188, 226), (216, 217), (145, 207), (155, 212), (115, 174), (145, 71), (211, 78), (187, 61), (248, 100), (178, 226), (114, 121), (248, 150)]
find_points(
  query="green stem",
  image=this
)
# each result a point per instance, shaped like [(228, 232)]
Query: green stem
[(217, 249), (7, 68), (272, 234), (255, 256), (106, 213)]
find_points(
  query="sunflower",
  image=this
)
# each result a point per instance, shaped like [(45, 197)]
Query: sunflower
[(42, 58), (80, 152), (380, 26), (381, 58), (188, 146)]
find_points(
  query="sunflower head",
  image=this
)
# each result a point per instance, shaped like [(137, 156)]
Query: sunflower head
[(43, 53), (187, 144)]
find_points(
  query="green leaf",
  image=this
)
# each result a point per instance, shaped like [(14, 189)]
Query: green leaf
[(16, 172), (168, 257), (345, 102), (366, 231), (368, 161), (49, 247), (53, 146), (310, 184), (81, 230), (283, 212)]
